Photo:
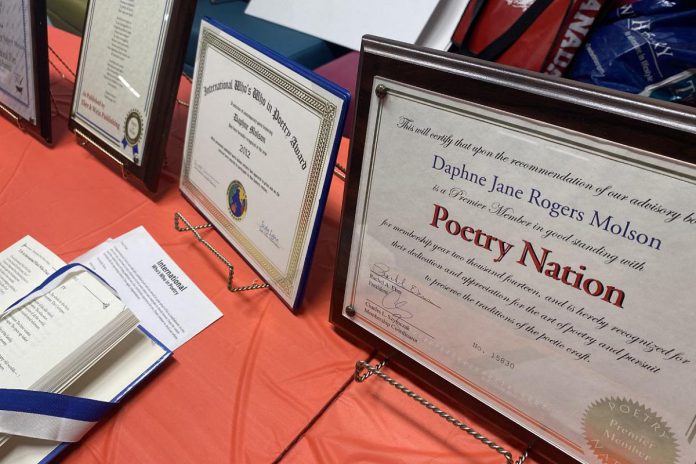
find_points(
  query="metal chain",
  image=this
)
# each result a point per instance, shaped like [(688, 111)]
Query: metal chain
[(55, 104), (230, 267), (368, 372), (340, 172), (12, 116), (376, 370), (61, 62), (60, 73)]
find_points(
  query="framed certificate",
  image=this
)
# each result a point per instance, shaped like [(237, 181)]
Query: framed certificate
[(24, 83), (127, 78), (526, 244), (261, 143)]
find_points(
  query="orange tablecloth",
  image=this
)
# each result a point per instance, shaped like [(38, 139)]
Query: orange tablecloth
[(246, 388)]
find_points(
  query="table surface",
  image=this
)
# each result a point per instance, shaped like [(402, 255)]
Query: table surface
[(260, 384)]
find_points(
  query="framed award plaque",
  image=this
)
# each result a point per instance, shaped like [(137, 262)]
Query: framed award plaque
[(525, 245), (127, 78), (261, 143), (24, 82)]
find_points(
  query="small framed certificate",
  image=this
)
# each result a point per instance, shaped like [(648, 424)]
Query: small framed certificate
[(261, 143), (127, 78), (527, 242), (24, 83)]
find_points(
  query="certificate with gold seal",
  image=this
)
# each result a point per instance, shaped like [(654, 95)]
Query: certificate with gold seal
[(128, 74), (261, 143), (537, 260)]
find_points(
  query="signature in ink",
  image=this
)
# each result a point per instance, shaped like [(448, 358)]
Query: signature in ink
[(395, 281), (392, 302), (266, 230)]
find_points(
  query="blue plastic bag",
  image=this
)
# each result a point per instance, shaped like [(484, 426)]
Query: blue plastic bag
[(643, 46)]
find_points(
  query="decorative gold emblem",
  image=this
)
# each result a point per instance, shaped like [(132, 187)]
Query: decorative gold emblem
[(622, 431)]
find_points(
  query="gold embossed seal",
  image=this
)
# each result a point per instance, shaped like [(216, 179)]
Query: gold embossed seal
[(623, 431)]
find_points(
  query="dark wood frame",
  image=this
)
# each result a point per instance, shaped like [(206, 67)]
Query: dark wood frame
[(41, 129), (165, 90), (659, 127)]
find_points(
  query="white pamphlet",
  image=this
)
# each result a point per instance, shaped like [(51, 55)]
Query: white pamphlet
[(167, 302)]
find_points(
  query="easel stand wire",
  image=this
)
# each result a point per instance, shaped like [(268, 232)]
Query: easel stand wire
[(62, 61), (12, 116), (85, 141), (377, 370), (340, 172), (230, 275)]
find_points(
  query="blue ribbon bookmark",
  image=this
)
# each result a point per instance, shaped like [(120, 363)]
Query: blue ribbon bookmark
[(45, 415), (49, 416)]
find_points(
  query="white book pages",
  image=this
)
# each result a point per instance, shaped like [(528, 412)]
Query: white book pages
[(109, 379)]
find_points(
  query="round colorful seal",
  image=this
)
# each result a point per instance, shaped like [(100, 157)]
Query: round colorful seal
[(237, 199), (622, 431), (133, 127), (132, 133)]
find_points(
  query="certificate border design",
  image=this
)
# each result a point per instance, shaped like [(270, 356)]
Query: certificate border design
[(38, 118), (284, 280), (28, 46), (467, 110), (99, 131), (660, 130)]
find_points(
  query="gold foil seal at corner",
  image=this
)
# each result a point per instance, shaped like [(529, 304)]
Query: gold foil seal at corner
[(623, 431)]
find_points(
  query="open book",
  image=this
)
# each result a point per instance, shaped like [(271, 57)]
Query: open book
[(78, 338)]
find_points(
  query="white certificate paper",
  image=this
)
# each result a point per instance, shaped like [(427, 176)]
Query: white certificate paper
[(17, 91), (168, 303), (259, 147), (547, 273), (119, 64)]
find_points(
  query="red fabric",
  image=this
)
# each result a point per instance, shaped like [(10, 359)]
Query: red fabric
[(243, 389), (464, 24), (531, 49)]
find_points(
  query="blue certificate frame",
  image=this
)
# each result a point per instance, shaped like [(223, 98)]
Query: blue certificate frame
[(276, 143)]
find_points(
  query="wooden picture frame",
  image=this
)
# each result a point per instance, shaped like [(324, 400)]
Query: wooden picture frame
[(151, 127), (37, 36), (666, 131)]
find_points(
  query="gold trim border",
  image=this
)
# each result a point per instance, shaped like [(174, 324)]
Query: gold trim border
[(283, 280)]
